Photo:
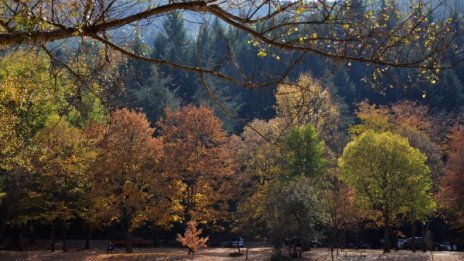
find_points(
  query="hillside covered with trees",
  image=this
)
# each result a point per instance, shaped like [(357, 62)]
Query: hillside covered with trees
[(339, 123)]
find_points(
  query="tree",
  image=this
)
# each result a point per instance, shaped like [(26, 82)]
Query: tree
[(451, 184), (414, 122), (59, 186), (10, 143), (337, 30), (342, 212), (388, 176), (372, 117), (131, 186), (308, 102), (293, 208), (191, 238), (197, 155), (447, 94), (28, 98), (344, 87), (166, 47), (407, 119), (305, 153), (43, 23), (258, 153), (218, 95), (146, 87)]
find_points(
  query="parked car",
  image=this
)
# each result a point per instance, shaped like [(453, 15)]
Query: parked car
[(420, 244), (401, 242), (316, 243), (237, 242), (449, 246), (136, 242), (408, 243), (445, 246)]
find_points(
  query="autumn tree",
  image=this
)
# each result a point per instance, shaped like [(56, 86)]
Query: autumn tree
[(414, 122), (259, 155), (10, 144), (407, 119), (388, 176), (197, 154), (59, 184), (29, 99), (281, 173), (191, 238), (451, 184), (341, 210), (307, 101), (131, 187)]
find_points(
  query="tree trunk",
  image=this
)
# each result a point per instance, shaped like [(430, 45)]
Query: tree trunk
[(129, 242), (156, 238), (52, 237), (31, 234), (332, 242), (343, 239), (413, 229), (21, 236), (88, 236), (63, 230), (424, 236), (386, 234), (2, 231), (396, 237)]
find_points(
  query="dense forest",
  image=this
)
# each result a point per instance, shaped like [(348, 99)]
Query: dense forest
[(332, 151)]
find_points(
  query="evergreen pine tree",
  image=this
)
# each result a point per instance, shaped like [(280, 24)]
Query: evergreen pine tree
[(147, 88), (223, 96), (173, 44), (447, 94), (344, 87)]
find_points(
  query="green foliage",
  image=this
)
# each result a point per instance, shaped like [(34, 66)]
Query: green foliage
[(30, 95), (293, 208), (305, 153), (388, 175)]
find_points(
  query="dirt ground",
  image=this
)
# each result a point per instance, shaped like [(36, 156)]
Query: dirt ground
[(258, 253)]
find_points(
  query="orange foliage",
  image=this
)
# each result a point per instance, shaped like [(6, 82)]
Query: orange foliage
[(130, 185), (452, 183), (191, 238), (197, 153)]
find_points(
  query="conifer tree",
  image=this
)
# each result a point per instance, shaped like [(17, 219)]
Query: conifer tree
[(344, 87), (173, 44)]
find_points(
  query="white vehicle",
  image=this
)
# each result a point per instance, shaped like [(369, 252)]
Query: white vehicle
[(401, 243), (238, 242)]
